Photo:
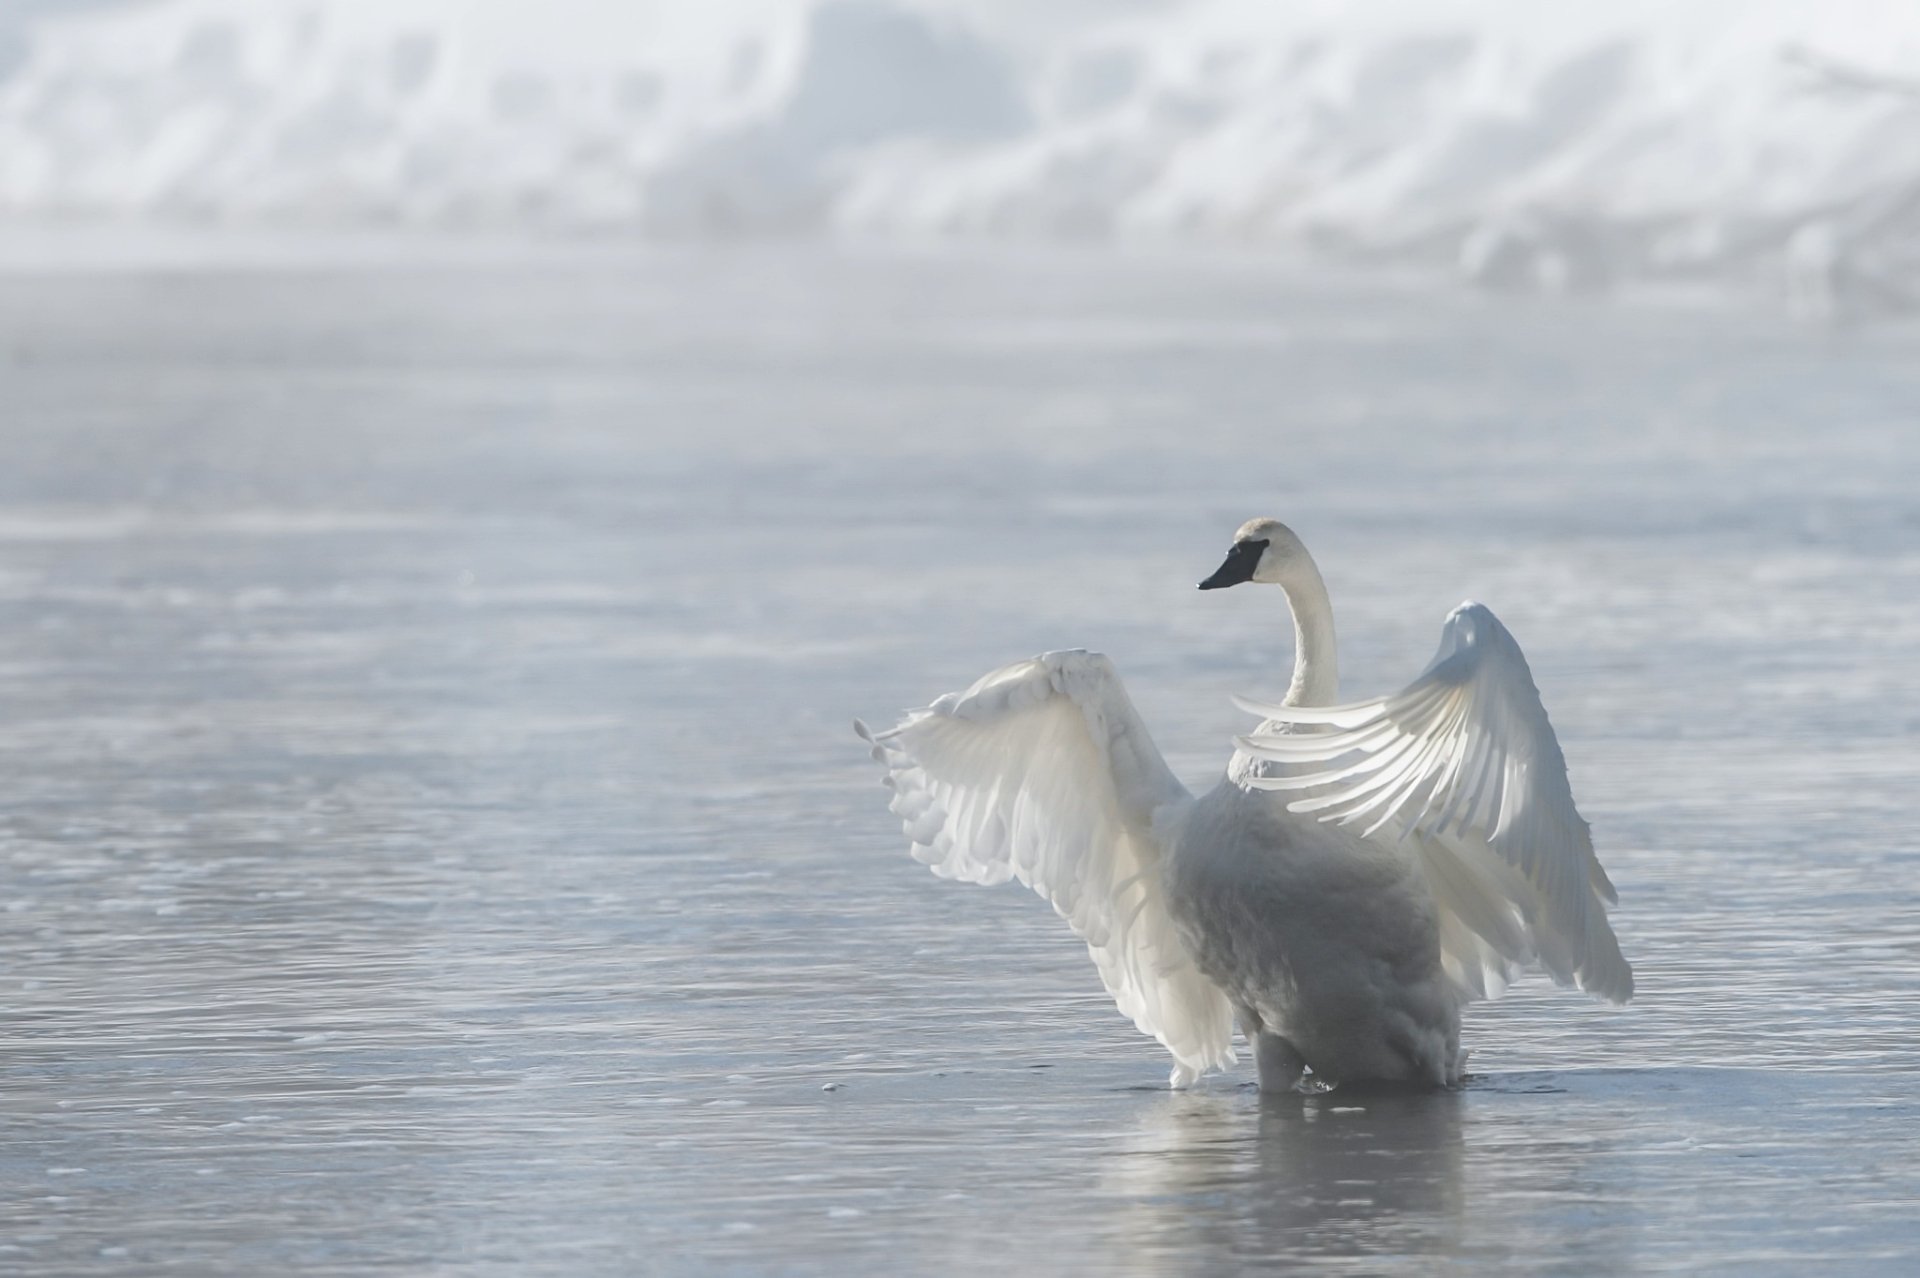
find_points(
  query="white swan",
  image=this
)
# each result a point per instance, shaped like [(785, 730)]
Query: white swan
[(1362, 871)]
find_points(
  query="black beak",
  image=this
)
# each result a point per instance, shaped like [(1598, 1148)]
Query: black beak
[(1238, 566)]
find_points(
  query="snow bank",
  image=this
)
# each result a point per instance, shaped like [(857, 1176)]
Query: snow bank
[(1526, 146)]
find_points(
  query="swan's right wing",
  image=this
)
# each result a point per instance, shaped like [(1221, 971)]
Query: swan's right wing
[(1043, 772), (1463, 768)]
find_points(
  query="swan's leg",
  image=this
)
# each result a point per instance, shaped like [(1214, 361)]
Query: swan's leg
[(1280, 1065)]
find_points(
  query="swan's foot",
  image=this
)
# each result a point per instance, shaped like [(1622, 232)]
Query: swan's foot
[(1280, 1065)]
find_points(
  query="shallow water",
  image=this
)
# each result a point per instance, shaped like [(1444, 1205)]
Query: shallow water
[(433, 838)]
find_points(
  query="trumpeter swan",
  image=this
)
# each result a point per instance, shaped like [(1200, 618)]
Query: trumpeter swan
[(1361, 872)]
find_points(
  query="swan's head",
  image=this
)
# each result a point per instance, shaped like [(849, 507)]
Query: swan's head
[(1264, 550)]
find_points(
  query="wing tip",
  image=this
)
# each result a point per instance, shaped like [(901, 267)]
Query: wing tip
[(1614, 983)]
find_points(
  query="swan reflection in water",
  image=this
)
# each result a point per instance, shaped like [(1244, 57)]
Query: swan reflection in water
[(1236, 1179)]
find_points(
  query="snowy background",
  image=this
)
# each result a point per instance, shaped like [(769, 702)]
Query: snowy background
[(1771, 147)]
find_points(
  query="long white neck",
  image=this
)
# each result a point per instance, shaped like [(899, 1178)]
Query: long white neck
[(1316, 660)]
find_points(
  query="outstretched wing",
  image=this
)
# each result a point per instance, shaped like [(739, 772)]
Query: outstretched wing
[(1044, 772), (1462, 765)]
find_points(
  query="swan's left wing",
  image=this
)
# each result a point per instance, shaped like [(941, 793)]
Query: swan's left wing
[(1463, 768), (1044, 772)]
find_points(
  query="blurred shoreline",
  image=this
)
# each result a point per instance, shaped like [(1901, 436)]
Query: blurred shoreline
[(106, 248)]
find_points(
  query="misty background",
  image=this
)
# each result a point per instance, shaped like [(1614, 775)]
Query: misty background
[(465, 463)]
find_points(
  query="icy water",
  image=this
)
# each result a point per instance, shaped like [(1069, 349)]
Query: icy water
[(433, 839)]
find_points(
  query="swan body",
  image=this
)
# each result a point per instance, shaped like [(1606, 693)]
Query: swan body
[(1361, 872), (1318, 938)]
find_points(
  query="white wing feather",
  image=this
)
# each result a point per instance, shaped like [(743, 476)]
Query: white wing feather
[(1462, 765), (1044, 772)]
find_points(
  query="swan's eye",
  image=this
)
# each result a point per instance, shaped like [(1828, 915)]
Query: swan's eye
[(1247, 552)]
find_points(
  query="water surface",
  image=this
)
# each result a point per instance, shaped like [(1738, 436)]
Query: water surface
[(433, 839)]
